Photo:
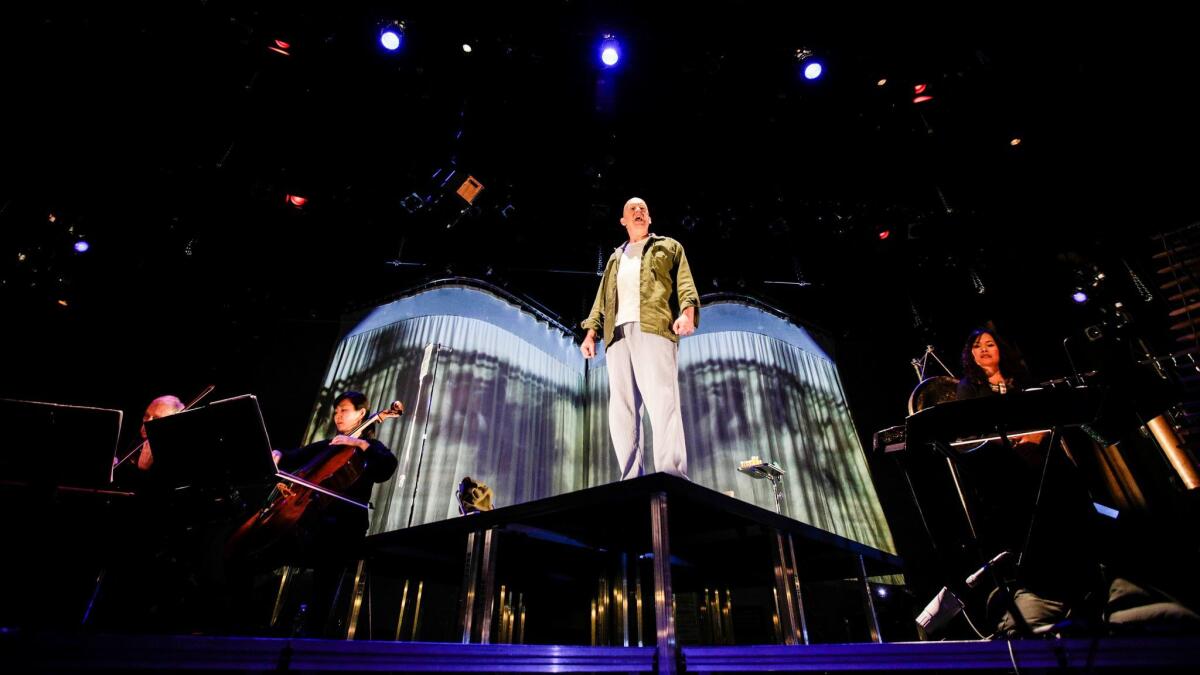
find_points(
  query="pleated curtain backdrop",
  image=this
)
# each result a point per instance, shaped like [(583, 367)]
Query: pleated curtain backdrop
[(494, 392)]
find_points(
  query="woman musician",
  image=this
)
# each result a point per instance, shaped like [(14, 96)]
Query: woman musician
[(329, 538)]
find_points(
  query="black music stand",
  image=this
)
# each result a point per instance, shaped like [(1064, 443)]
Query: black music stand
[(55, 489), (952, 426), (74, 446), (218, 446)]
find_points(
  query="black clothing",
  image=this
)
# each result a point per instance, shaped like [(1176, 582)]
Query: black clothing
[(330, 537), (1052, 536), (379, 466)]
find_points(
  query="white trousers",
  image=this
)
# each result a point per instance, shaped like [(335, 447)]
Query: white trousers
[(642, 371)]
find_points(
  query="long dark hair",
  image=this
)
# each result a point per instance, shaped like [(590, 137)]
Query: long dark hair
[(1012, 366)]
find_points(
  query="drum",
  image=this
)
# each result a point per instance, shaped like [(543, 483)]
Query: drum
[(932, 391)]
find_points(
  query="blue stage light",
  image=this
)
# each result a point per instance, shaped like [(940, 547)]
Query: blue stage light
[(610, 51), (391, 36)]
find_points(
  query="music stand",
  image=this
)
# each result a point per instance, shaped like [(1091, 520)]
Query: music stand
[(74, 448), (55, 489), (221, 445), (953, 424)]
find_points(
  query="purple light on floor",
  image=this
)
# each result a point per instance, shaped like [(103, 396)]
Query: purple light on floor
[(81, 246)]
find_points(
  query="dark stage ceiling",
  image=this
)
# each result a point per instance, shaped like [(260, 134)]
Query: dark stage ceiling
[(169, 135)]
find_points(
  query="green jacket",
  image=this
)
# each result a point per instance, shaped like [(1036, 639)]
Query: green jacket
[(666, 290)]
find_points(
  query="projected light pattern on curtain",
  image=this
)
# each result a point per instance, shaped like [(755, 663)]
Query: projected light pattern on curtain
[(513, 404), (501, 402), (752, 384)]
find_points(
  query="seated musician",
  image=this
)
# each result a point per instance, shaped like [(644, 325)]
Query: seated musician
[(332, 536), (990, 366), (133, 473), (1058, 567), (349, 410), (142, 588)]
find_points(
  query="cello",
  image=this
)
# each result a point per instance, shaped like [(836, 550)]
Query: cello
[(315, 486)]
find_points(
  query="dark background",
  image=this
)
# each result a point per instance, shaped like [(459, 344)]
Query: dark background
[(168, 135)]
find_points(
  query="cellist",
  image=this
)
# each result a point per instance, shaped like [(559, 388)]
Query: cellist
[(331, 537)]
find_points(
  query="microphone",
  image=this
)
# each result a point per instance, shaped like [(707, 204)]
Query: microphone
[(973, 580)]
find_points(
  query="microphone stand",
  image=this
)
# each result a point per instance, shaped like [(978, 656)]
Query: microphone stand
[(436, 349), (921, 364)]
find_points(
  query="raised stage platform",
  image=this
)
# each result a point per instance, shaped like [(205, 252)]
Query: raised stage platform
[(650, 575), (596, 561)]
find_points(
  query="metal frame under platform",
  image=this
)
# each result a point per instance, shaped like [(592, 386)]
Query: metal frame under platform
[(655, 517)]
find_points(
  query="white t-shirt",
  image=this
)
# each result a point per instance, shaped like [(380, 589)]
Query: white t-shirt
[(629, 283)]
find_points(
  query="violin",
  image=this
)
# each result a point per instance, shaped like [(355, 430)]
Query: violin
[(312, 488)]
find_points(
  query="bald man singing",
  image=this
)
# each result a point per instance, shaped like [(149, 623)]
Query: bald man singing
[(647, 300)]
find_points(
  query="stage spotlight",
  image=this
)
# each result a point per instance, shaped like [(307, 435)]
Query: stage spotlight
[(809, 67), (944, 607), (81, 246), (412, 203), (391, 36), (610, 51), (297, 201), (1079, 296), (467, 49)]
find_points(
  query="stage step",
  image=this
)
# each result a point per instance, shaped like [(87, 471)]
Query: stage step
[(166, 653), (1141, 654)]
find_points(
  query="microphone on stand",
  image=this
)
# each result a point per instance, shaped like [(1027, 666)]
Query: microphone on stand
[(973, 580)]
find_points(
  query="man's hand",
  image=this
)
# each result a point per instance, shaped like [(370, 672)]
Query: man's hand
[(683, 325), (276, 455), (588, 346)]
